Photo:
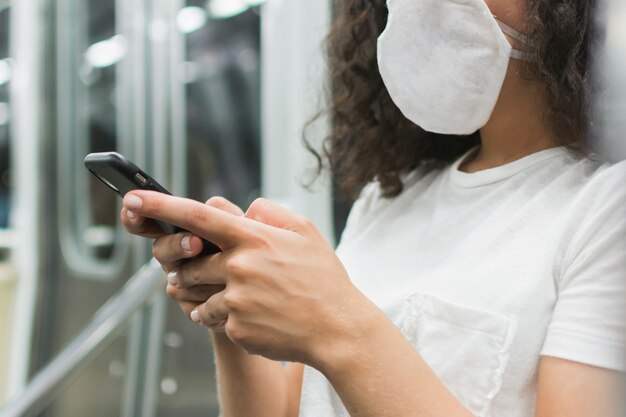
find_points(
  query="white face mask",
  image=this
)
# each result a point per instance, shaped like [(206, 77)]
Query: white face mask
[(444, 62)]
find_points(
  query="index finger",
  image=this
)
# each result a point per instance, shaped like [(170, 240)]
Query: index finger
[(215, 225)]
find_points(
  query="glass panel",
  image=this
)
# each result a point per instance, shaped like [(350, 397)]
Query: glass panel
[(5, 115), (222, 86), (222, 79), (97, 73), (89, 50)]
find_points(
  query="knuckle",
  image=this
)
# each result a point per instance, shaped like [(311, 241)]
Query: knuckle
[(191, 273), (257, 206), (186, 276), (172, 292), (195, 274), (260, 240), (128, 226), (224, 204), (196, 214), (212, 317), (160, 250), (304, 223), (236, 333), (155, 249), (259, 202), (232, 301), (133, 228), (123, 217), (216, 201), (238, 266), (218, 326)]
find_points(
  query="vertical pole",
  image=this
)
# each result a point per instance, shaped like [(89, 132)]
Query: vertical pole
[(177, 102), (610, 123), (137, 23), (26, 160)]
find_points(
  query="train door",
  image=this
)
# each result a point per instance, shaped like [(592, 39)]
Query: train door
[(7, 272), (178, 86), (174, 85)]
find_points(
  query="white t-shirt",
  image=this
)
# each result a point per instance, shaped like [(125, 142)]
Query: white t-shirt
[(485, 272)]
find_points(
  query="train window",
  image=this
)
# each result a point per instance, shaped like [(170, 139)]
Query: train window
[(97, 75), (90, 50), (5, 115), (221, 76)]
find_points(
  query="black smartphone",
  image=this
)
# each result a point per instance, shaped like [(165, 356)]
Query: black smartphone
[(122, 176)]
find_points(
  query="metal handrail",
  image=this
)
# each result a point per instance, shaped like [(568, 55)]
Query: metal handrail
[(107, 323)]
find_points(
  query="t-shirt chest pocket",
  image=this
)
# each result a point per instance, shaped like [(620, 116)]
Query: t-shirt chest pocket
[(468, 349)]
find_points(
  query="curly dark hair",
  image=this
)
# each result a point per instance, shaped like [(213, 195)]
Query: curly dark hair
[(370, 138)]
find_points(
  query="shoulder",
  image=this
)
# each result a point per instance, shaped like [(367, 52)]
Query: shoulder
[(364, 210), (371, 203), (607, 176), (596, 218), (602, 187), (584, 185), (587, 324)]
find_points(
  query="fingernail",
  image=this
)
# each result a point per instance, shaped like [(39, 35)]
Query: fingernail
[(132, 202), (131, 215), (185, 242), (195, 316), (172, 278)]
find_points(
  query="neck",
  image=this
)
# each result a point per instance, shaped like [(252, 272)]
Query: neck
[(517, 127)]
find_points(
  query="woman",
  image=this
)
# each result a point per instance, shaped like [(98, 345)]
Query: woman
[(481, 270)]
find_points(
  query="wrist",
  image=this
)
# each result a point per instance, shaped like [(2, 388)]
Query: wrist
[(219, 337), (347, 343), (221, 343)]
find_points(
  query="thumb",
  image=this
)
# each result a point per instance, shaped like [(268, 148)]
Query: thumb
[(225, 205), (272, 214)]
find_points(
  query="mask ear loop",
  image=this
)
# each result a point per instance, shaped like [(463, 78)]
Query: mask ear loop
[(515, 53)]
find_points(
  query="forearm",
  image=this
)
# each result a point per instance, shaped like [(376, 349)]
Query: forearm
[(378, 374), (248, 385)]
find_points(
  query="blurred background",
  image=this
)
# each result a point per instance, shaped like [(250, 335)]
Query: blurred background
[(210, 96), (176, 86)]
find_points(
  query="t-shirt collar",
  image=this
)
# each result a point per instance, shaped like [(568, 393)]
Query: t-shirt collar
[(492, 175)]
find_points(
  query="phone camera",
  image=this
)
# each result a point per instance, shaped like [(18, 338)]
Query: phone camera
[(141, 180)]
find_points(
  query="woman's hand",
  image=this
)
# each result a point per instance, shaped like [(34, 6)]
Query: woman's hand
[(173, 250), (287, 295)]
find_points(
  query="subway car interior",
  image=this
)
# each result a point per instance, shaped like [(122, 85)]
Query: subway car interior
[(210, 97)]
